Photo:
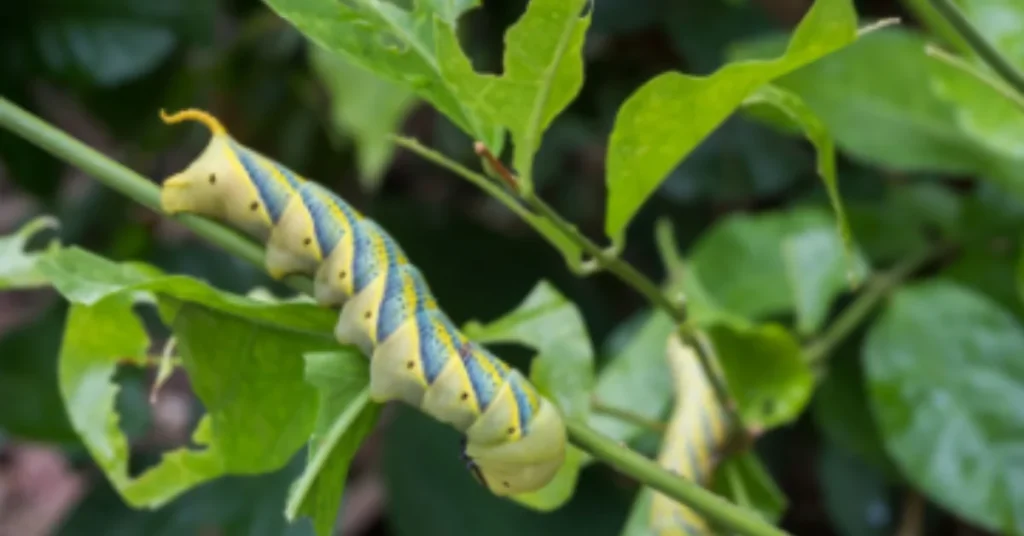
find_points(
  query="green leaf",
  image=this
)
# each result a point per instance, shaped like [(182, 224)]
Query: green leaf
[(243, 358), (798, 114), (1000, 22), (667, 118), (543, 72), (745, 481), (770, 263), (110, 42), (855, 494), (765, 370), (881, 100), (562, 371), (946, 385), (18, 266), (365, 108), (346, 416), (393, 43), (636, 379)]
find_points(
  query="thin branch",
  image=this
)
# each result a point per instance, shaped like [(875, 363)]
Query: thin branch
[(610, 261), (997, 84), (143, 191), (981, 46), (854, 314)]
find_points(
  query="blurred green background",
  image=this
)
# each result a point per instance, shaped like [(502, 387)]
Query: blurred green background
[(101, 69)]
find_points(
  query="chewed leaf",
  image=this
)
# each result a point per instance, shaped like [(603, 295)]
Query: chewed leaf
[(669, 116), (542, 75), (697, 432), (393, 43), (18, 266), (243, 357)]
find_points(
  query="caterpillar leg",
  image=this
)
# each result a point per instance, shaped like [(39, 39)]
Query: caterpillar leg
[(526, 464)]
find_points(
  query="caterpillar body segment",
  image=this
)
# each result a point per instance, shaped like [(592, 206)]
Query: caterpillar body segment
[(514, 439), (697, 431), (229, 182), (314, 223)]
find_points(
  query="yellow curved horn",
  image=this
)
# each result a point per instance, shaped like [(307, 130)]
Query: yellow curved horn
[(194, 114)]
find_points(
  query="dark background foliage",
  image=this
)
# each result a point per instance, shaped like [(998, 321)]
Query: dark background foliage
[(102, 68)]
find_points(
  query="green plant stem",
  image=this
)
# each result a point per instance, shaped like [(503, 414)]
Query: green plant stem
[(145, 192), (651, 474), (981, 46), (854, 314), (934, 21)]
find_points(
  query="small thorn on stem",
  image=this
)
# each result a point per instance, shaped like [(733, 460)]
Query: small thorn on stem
[(499, 168)]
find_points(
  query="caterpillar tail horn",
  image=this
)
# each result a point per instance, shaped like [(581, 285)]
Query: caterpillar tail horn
[(194, 114)]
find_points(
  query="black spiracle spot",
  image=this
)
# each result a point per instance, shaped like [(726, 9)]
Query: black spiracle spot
[(255, 205), (213, 178)]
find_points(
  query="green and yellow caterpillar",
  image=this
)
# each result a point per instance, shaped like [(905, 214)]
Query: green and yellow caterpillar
[(514, 438)]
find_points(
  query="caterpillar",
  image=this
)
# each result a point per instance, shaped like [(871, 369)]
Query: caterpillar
[(696, 433), (514, 439)]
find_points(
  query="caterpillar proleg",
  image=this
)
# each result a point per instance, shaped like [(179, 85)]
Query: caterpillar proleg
[(514, 439)]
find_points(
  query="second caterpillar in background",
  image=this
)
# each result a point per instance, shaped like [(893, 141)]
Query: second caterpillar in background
[(515, 439)]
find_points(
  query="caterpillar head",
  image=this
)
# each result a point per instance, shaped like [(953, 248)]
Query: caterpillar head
[(215, 184), (523, 465)]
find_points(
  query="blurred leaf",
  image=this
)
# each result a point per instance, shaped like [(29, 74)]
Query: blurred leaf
[(110, 42), (757, 265), (365, 107), (33, 408), (649, 139), (421, 454), (394, 43), (746, 482), (242, 357), (946, 384), (543, 72), (1000, 22), (765, 370), (18, 266), (989, 268), (346, 416), (563, 370), (907, 216), (856, 495), (636, 378), (799, 115), (879, 100), (696, 434), (840, 410), (993, 119)]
